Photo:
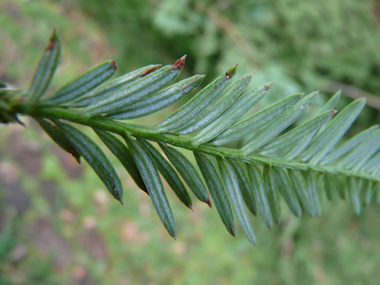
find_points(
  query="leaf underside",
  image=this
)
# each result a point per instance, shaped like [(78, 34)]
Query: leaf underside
[(274, 159)]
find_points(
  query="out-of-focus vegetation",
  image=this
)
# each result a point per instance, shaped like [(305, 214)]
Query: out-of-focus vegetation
[(57, 224), (302, 46)]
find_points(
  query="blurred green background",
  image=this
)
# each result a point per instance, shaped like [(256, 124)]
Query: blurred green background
[(58, 225)]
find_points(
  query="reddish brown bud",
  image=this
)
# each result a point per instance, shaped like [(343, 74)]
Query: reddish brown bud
[(74, 153), (180, 63), (50, 45), (208, 201), (266, 87), (114, 65), (52, 40)]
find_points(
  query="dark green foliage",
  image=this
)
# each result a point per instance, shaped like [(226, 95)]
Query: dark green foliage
[(169, 174), (217, 190), (258, 187), (95, 158), (84, 84), (123, 154), (295, 162), (46, 68), (135, 91), (117, 86), (194, 108), (232, 186), (271, 188), (286, 189), (187, 171), (245, 102), (248, 194), (153, 184), (302, 190), (159, 100), (257, 121), (58, 137)]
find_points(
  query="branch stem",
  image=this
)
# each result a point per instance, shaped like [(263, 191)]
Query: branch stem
[(125, 129)]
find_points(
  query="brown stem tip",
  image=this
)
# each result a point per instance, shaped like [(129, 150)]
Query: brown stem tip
[(114, 65), (266, 87), (180, 63)]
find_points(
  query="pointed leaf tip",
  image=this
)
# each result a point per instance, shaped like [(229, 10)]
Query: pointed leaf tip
[(180, 63), (208, 201), (231, 72), (54, 34), (58, 137), (312, 94), (118, 195), (233, 231), (52, 40)]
